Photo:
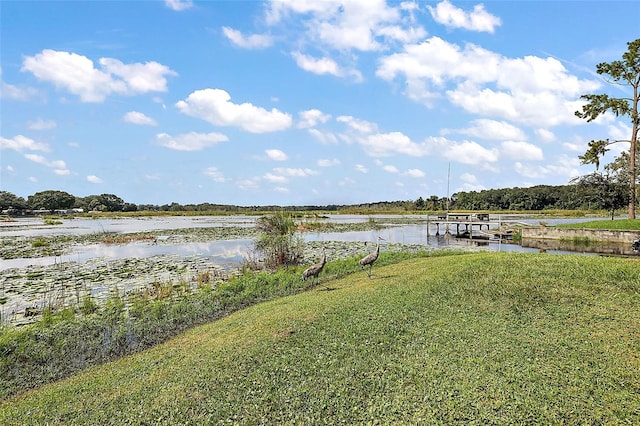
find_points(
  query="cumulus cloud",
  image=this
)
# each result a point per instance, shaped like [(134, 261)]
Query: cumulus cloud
[(94, 179), (470, 183), (78, 75), (465, 152), (453, 17), (215, 174), (41, 124), (338, 28), (22, 143), (276, 155), (324, 65), (359, 24), (136, 117), (530, 90), (361, 168), (415, 173), (325, 162), (178, 5), (312, 118), (215, 106), (493, 130), (521, 151), (275, 178), (358, 125), (567, 167), (323, 137), (545, 135), (59, 166), (16, 93), (386, 144), (248, 184), (253, 41), (282, 174), (190, 141)]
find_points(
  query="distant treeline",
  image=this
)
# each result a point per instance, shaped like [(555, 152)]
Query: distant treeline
[(542, 197)]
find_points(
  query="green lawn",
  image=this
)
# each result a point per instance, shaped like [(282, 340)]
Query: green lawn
[(486, 338), (618, 224)]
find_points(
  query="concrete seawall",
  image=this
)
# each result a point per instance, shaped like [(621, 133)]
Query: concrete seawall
[(550, 233)]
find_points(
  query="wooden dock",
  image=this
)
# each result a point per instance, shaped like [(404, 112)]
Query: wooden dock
[(464, 224)]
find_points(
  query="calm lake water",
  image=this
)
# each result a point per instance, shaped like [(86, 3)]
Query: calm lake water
[(234, 251)]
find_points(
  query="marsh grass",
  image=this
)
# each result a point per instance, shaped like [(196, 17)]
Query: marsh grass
[(127, 238), (487, 338)]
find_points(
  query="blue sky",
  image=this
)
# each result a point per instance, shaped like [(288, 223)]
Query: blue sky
[(301, 102)]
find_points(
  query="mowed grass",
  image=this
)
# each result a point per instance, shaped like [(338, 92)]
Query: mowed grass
[(618, 224), (484, 338)]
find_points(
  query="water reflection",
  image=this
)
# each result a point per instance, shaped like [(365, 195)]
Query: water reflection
[(221, 252), (234, 251), (36, 227)]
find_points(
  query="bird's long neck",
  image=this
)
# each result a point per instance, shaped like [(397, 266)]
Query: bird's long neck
[(324, 256)]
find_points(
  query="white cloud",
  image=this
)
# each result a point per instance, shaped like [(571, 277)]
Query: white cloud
[(453, 17), (77, 74), (465, 152), (248, 184), (16, 93), (59, 166), (324, 65), (415, 173), (545, 135), (20, 143), (492, 129), (329, 162), (215, 106), (323, 137), (470, 183), (360, 126), (190, 141), (41, 124), (292, 172), (619, 131), (521, 151), (178, 5), (275, 178), (276, 155), (282, 174), (360, 168), (389, 168), (386, 144), (567, 167), (529, 90), (312, 117), (214, 174), (362, 25), (136, 117), (94, 179), (253, 41), (469, 178)]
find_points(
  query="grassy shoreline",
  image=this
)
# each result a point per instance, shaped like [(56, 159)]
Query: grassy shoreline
[(479, 338)]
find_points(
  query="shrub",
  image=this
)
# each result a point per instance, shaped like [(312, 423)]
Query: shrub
[(278, 242)]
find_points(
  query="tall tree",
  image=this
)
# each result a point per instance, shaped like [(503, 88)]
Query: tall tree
[(626, 73), (51, 200)]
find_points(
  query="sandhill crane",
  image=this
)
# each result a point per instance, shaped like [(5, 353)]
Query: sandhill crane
[(314, 270), (371, 258)]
